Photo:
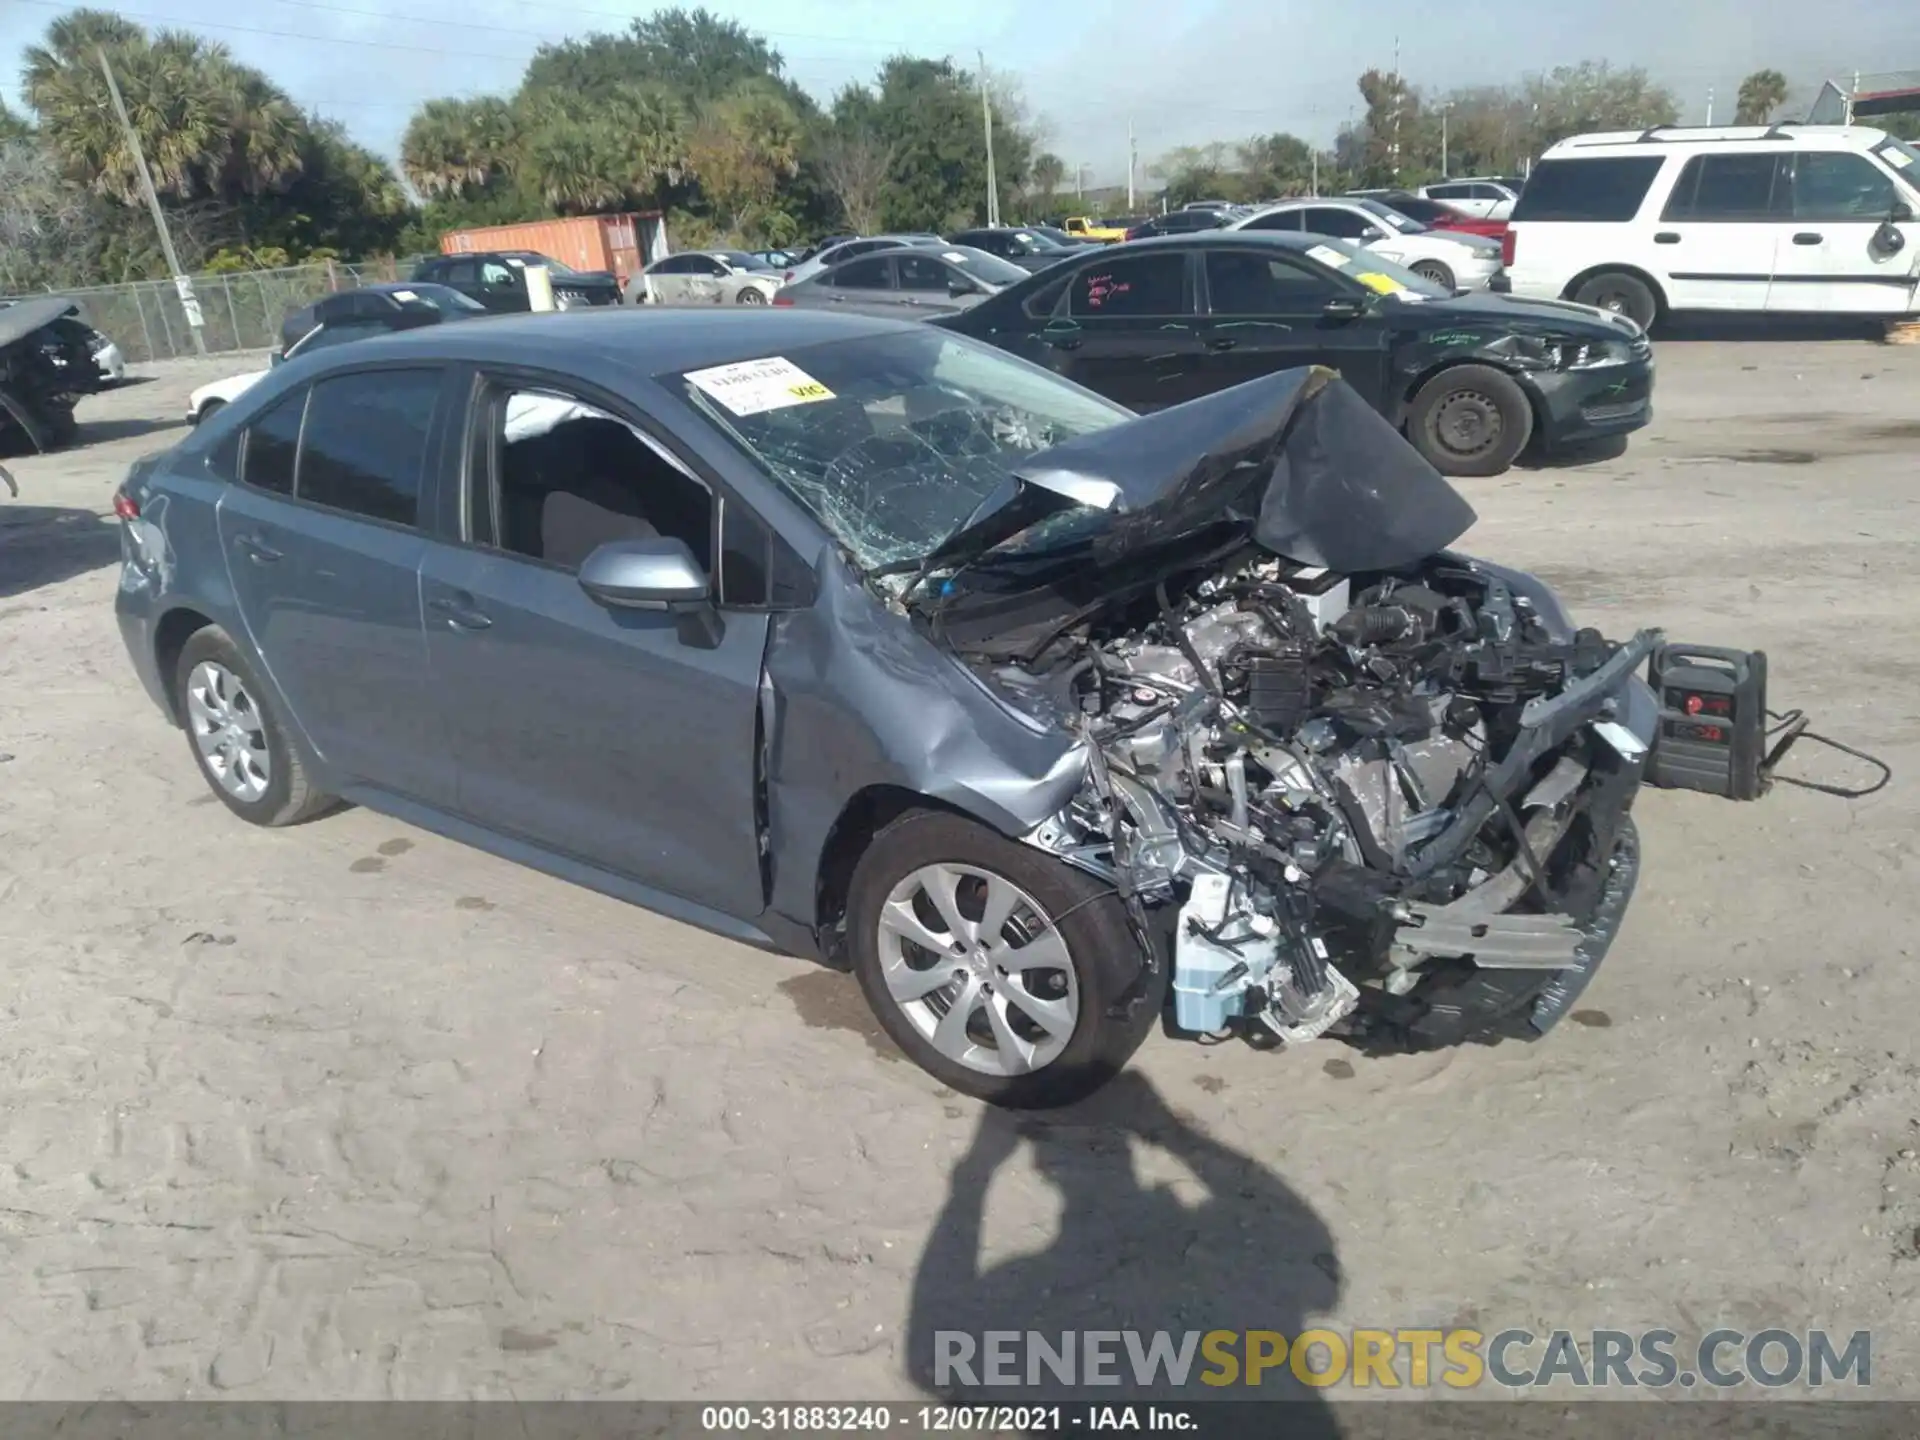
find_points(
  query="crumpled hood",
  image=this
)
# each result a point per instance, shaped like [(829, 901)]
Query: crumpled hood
[(1317, 475), (26, 316)]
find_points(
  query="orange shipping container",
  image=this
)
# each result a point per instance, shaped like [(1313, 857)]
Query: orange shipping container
[(620, 244)]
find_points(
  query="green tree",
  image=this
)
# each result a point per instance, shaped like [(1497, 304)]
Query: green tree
[(741, 150), (453, 147), (1761, 94), (928, 111), (1275, 165)]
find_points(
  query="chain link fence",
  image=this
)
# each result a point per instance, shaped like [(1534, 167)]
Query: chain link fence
[(240, 310)]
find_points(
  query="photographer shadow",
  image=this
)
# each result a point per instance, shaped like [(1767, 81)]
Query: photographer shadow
[(1229, 1246)]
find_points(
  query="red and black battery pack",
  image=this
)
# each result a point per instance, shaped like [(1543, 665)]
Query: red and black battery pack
[(1713, 720)]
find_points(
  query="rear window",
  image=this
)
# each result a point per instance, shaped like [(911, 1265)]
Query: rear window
[(1604, 189)]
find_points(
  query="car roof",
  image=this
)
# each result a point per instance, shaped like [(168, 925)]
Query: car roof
[(1665, 139), (1281, 239), (639, 341)]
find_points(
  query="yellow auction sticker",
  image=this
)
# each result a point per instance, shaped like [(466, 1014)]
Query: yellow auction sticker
[(750, 387), (1384, 284)]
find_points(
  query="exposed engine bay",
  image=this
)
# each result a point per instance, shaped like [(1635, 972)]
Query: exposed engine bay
[(1383, 806)]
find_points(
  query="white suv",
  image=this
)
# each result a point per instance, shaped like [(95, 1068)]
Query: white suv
[(1486, 199), (1782, 218)]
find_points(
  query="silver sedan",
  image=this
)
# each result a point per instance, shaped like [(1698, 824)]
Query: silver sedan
[(705, 277)]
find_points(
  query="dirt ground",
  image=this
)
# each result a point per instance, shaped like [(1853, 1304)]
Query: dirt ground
[(349, 1110)]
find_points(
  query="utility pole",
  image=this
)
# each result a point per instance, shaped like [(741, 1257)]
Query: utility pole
[(1133, 155), (1079, 177), (986, 114), (1399, 98), (1709, 105), (1445, 168), (188, 301)]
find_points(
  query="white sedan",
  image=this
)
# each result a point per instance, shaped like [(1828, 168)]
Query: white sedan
[(210, 397), (1454, 262)]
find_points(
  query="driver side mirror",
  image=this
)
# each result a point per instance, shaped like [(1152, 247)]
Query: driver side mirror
[(659, 574), (959, 287), (278, 357), (1371, 233), (1344, 307)]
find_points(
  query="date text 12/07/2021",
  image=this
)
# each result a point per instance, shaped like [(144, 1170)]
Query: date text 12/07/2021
[(948, 1419)]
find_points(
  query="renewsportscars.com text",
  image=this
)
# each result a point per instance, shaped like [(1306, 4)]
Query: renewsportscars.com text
[(1409, 1358)]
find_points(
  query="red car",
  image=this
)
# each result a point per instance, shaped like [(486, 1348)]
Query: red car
[(1442, 216)]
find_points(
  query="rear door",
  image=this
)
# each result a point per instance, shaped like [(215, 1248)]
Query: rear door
[(1267, 311), (867, 283), (1720, 232), (1127, 327), (1828, 260), (324, 544)]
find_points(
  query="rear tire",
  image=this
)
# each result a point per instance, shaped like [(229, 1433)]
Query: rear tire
[(1062, 950), (1438, 272), (237, 737), (750, 296), (1623, 294), (1470, 420)]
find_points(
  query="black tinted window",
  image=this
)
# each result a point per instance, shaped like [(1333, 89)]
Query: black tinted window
[(1839, 185), (1594, 189), (459, 272), (272, 440), (1723, 187), (868, 274), (1240, 282), (921, 272), (1275, 220), (1133, 285), (1341, 224), (365, 447)]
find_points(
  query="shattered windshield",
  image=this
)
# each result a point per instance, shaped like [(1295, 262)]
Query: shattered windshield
[(893, 440)]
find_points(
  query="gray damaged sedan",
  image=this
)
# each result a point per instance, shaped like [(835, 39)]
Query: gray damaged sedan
[(860, 640)]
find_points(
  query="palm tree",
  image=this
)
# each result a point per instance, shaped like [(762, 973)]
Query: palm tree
[(1761, 93), (452, 146)]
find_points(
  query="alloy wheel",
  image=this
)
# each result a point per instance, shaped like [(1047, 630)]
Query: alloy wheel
[(229, 731), (978, 968)]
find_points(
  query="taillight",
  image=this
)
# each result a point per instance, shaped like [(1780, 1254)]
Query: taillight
[(780, 299), (125, 506), (1506, 248)]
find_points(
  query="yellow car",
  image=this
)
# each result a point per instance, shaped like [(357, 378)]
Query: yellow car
[(1105, 231)]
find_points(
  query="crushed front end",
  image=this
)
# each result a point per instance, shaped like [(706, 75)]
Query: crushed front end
[(1392, 807)]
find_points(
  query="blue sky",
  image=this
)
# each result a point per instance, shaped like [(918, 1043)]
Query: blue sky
[(1184, 73)]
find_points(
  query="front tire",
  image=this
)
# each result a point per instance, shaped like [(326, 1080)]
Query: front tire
[(1623, 294), (1438, 272), (1001, 972), (1470, 420), (237, 738)]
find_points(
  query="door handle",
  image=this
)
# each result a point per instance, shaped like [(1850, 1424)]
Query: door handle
[(1807, 237), (1222, 342), (256, 549), (1666, 237), (461, 614)]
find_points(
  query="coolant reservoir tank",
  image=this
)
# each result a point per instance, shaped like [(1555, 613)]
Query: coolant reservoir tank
[(1209, 979)]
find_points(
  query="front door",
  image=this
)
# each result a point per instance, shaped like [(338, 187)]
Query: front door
[(503, 287), (1268, 312), (1715, 245), (1127, 329), (1830, 261), (324, 553), (612, 736)]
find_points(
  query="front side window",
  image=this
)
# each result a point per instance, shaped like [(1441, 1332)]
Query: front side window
[(364, 449), (1241, 282), (892, 440), (492, 272), (1341, 224), (571, 477), (1840, 185), (273, 440), (1724, 187), (1131, 287), (922, 273)]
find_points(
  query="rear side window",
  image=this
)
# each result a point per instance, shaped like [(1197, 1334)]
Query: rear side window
[(365, 449), (1242, 282), (1601, 188), (459, 272), (1136, 285), (1275, 220), (860, 275), (272, 441), (1724, 187)]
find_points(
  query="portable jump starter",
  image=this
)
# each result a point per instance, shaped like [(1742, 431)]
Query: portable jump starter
[(1713, 720)]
